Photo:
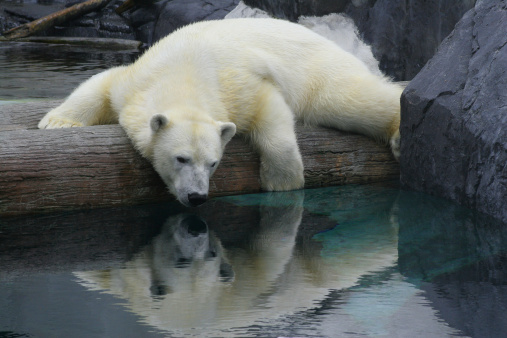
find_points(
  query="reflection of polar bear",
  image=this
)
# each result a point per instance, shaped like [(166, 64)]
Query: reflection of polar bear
[(184, 99), (186, 282), (185, 244)]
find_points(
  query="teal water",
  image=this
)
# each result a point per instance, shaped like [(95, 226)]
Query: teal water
[(333, 262)]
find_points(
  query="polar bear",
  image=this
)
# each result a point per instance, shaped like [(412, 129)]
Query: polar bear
[(183, 100)]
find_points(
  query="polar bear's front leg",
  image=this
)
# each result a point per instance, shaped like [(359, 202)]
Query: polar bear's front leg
[(281, 164), (274, 137), (88, 105)]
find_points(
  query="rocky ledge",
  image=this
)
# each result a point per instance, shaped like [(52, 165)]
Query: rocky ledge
[(454, 115)]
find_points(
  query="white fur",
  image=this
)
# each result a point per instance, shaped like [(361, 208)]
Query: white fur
[(256, 76)]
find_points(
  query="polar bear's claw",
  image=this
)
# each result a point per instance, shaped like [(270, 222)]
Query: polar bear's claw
[(56, 122)]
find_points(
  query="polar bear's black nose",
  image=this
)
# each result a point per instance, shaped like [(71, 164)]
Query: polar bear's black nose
[(196, 199)]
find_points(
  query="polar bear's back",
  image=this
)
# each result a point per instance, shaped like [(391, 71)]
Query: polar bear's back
[(259, 45), (237, 57), (239, 38)]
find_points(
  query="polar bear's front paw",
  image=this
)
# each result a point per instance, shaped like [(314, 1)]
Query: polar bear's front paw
[(282, 179), (53, 122)]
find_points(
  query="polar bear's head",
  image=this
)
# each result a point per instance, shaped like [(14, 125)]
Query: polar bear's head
[(186, 153)]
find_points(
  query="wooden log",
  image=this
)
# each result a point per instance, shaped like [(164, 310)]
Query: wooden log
[(54, 19), (64, 169), (22, 116)]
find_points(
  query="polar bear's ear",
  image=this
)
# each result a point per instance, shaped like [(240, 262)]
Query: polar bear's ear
[(158, 121), (227, 131)]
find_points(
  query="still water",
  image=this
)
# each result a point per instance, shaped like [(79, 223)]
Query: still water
[(331, 262), (48, 71)]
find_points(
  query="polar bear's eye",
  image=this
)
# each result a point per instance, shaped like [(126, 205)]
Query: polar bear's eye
[(213, 164), (182, 160)]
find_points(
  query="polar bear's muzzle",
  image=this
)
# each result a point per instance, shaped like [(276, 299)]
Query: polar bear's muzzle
[(191, 185), (195, 199)]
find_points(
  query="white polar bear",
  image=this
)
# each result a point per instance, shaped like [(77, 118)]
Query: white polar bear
[(186, 97)]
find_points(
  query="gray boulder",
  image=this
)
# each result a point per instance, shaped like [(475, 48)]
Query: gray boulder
[(454, 115)]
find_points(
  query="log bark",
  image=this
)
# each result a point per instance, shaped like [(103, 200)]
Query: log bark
[(54, 19), (75, 168)]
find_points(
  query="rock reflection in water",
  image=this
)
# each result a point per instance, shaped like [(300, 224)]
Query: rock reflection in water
[(187, 281)]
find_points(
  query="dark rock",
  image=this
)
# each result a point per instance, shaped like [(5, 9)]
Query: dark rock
[(178, 13), (148, 22), (404, 35), (154, 21), (144, 19), (454, 115), (104, 23)]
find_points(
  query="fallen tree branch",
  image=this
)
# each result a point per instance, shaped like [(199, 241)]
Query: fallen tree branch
[(125, 6), (55, 19)]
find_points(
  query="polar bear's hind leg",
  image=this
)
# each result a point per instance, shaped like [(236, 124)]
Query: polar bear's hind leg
[(370, 107)]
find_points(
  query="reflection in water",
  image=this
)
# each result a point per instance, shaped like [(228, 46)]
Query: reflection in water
[(38, 70), (330, 262), (186, 281)]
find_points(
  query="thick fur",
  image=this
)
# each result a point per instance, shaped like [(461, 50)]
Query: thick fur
[(185, 98)]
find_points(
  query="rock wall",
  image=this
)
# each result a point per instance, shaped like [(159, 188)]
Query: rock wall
[(157, 20), (404, 34), (454, 115), (102, 24), (148, 21)]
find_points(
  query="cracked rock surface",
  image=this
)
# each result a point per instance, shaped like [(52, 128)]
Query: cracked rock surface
[(454, 115)]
